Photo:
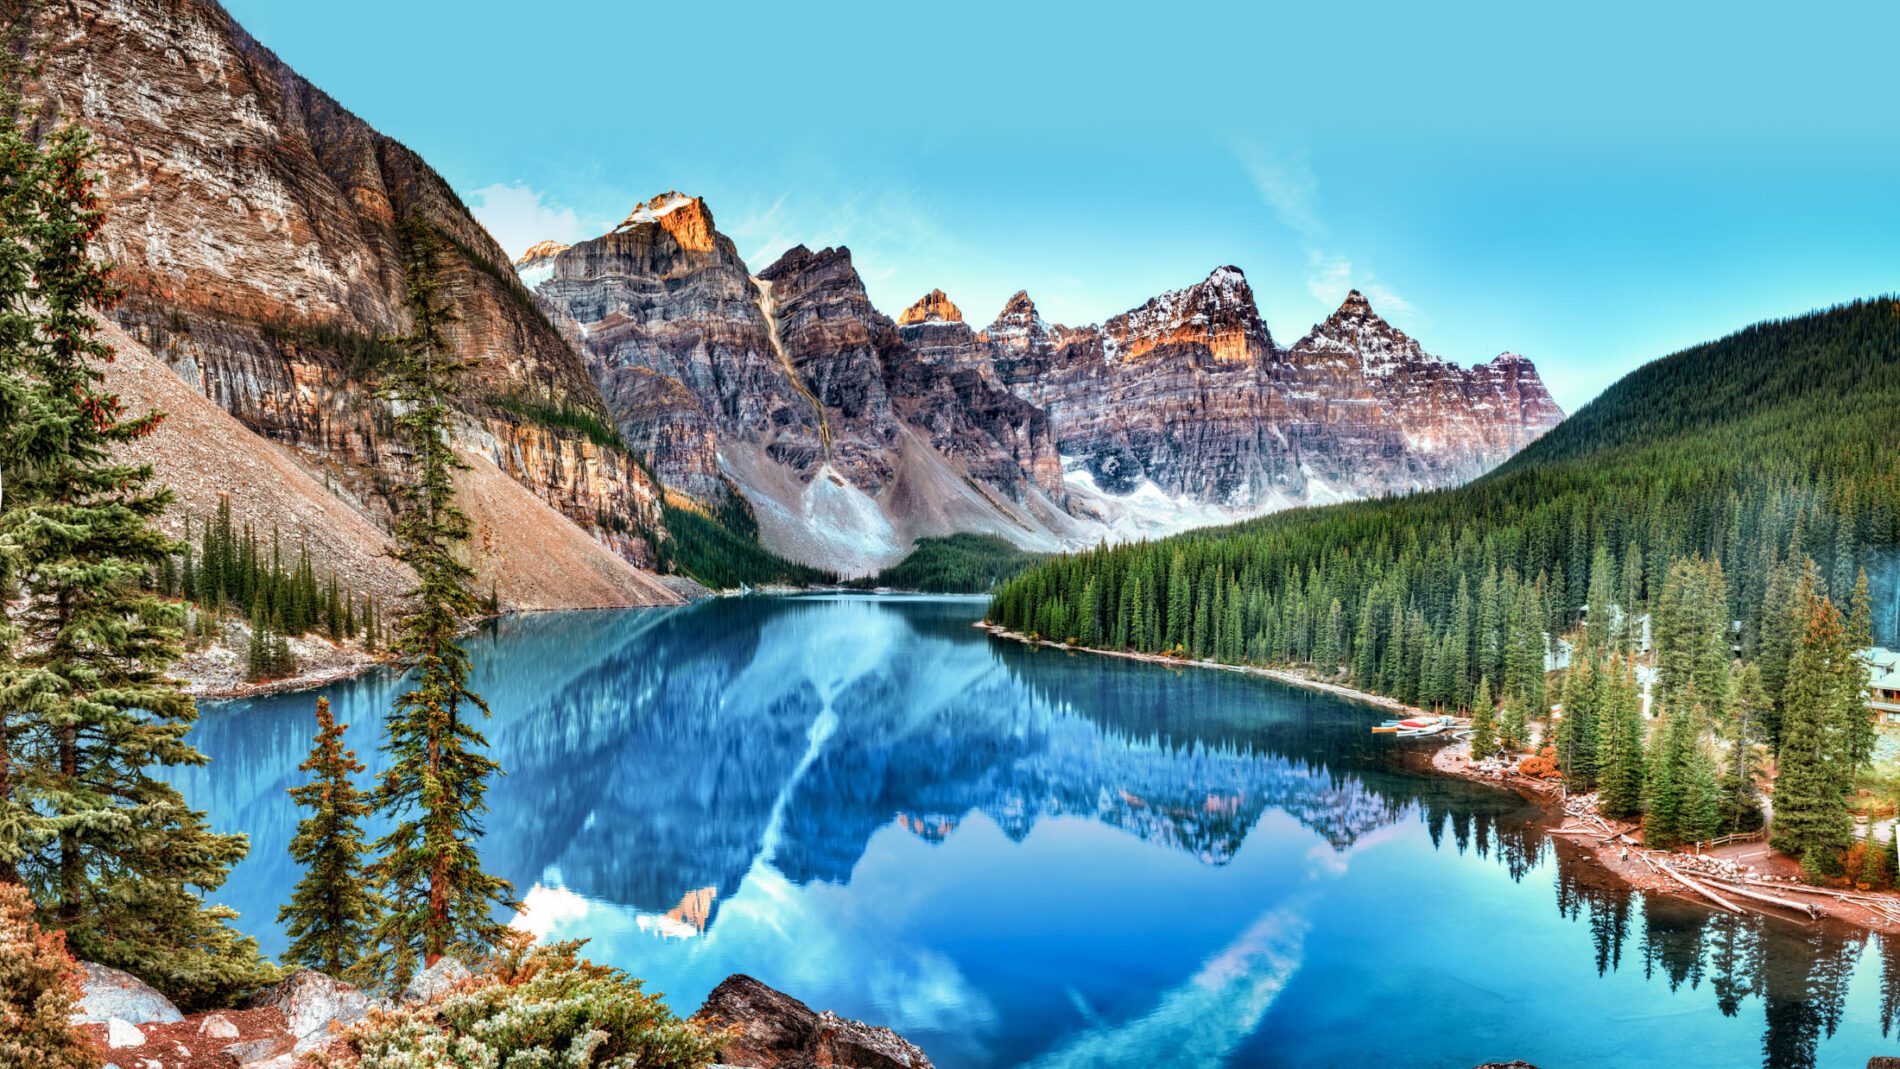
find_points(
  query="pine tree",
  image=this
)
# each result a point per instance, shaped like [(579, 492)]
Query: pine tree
[(1668, 786), (1577, 731), (439, 899), (1811, 819), (1484, 724), (1513, 732), (1857, 720), (332, 911), (1741, 799), (109, 851), (1619, 743)]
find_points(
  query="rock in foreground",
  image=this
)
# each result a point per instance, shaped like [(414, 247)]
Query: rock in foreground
[(315, 1007), (108, 994), (776, 1031)]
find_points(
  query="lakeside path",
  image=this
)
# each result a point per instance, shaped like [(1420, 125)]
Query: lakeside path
[(1728, 877)]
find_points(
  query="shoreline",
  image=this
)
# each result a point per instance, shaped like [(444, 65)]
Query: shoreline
[(1726, 878)]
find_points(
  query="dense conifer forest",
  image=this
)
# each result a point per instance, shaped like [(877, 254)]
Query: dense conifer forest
[(722, 550), (957, 564)]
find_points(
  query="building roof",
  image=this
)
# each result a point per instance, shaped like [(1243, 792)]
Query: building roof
[(1886, 668)]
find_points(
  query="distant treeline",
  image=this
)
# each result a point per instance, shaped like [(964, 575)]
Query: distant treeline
[(721, 549), (957, 564), (228, 571)]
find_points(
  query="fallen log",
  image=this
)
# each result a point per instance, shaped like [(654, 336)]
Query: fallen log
[(1705, 892), (1813, 911)]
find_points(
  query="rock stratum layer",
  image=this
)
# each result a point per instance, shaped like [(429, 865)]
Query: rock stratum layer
[(850, 434), (252, 222)]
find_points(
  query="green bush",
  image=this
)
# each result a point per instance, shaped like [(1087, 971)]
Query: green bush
[(539, 1006)]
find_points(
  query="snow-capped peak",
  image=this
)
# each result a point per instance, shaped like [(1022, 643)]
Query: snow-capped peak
[(651, 212)]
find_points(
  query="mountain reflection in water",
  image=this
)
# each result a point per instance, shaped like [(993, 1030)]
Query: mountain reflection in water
[(1035, 857)]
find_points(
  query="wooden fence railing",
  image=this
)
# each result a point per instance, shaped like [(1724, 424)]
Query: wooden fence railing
[(1738, 837)]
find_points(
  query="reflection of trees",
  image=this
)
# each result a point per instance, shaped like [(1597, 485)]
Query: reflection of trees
[(1801, 972)]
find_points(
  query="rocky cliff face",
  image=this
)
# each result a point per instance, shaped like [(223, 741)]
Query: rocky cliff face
[(792, 391), (851, 433), (676, 333), (252, 222), (1184, 410)]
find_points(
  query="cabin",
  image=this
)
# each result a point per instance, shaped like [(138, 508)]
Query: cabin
[(1883, 685), (1557, 655)]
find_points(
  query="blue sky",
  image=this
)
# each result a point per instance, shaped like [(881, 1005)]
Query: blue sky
[(1590, 185)]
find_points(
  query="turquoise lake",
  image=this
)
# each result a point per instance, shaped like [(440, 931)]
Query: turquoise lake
[(1050, 859)]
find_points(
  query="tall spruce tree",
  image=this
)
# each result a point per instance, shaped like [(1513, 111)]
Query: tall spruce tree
[(1811, 820), (1619, 743), (1858, 720), (333, 911), (1741, 799), (1577, 730), (110, 852), (1484, 723), (439, 900)]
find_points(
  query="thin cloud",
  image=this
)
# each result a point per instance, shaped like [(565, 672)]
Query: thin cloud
[(1287, 185), (518, 215), (1330, 278)]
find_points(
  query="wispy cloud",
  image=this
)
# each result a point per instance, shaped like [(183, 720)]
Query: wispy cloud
[(1329, 278), (518, 215), (1286, 183)]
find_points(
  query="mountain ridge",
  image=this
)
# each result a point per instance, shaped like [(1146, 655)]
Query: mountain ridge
[(1179, 412)]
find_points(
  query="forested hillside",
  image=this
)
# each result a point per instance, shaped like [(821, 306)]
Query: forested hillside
[(961, 563), (1762, 450)]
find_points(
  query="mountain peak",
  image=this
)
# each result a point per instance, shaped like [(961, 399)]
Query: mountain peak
[(686, 218), (659, 207), (1217, 312), (932, 307), (540, 250)]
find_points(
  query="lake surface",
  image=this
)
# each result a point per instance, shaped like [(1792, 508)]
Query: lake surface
[(1038, 858)]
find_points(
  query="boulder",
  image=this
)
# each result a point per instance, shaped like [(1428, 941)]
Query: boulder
[(217, 1026), (251, 1051), (123, 1034), (435, 980), (108, 993), (313, 1004), (776, 1031)]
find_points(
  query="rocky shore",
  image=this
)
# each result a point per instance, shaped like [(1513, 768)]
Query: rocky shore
[(135, 1027)]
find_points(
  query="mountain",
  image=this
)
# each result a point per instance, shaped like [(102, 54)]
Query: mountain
[(1762, 451), (789, 395), (848, 435), (251, 221), (1187, 403)]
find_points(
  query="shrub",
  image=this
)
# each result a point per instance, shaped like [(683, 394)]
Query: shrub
[(532, 1006), (39, 986), (1541, 765)]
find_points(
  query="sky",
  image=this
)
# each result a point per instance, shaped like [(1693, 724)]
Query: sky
[(1592, 186)]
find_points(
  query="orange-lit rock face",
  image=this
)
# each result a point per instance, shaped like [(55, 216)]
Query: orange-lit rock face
[(932, 307), (1216, 315), (253, 223), (695, 908), (685, 218)]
